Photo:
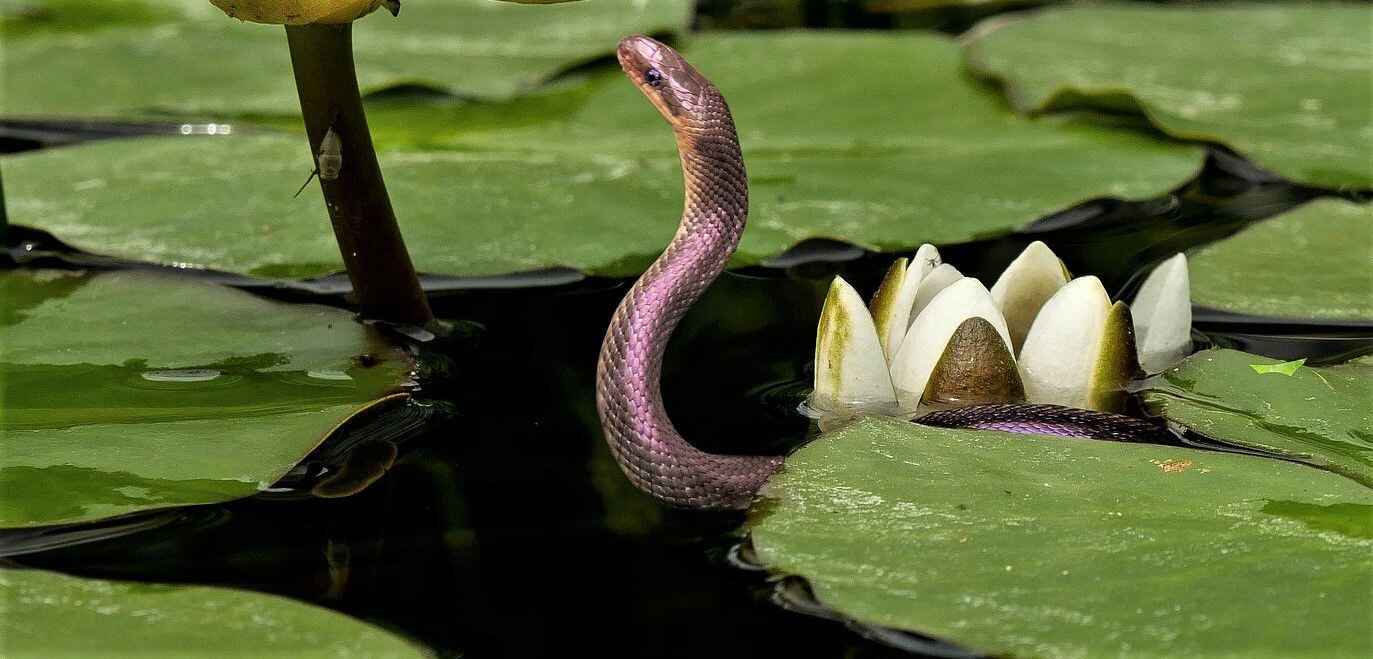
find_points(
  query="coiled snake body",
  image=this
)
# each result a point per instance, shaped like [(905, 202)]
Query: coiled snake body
[(628, 396)]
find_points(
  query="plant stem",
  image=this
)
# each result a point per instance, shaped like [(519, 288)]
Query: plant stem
[(379, 267)]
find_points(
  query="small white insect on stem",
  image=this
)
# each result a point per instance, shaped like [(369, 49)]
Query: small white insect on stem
[(329, 160)]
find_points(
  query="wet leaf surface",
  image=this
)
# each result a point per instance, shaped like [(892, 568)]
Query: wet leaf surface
[(1312, 262), (587, 176), (1043, 546), (185, 58), (44, 614), (1290, 85), (126, 392), (1319, 415)]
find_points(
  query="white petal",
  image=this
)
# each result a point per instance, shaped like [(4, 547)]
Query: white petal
[(850, 370), (1027, 283), (925, 260), (1163, 316), (1059, 359), (934, 283), (929, 334)]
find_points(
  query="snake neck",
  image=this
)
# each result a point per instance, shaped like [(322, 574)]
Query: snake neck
[(629, 397)]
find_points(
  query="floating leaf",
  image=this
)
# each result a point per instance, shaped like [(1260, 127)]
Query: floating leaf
[(1285, 368), (126, 392), (1048, 546), (1313, 262), (1318, 415), (587, 175), (185, 58), (44, 614), (1289, 85)]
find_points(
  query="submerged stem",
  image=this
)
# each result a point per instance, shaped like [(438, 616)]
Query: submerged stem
[(379, 267)]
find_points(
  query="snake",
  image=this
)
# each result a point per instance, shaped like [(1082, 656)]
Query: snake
[(643, 440)]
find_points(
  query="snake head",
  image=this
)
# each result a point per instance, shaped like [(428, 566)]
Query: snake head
[(674, 86)]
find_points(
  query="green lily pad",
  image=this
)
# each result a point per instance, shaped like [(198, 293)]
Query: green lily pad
[(185, 58), (1290, 85), (587, 176), (1313, 262), (1323, 415), (126, 392), (1047, 546), (44, 614)]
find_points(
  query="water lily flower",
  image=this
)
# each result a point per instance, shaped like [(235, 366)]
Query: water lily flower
[(934, 338)]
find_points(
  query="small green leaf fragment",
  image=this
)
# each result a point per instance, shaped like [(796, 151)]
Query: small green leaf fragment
[(1285, 368)]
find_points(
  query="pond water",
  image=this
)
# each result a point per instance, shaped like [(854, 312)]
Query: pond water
[(509, 530)]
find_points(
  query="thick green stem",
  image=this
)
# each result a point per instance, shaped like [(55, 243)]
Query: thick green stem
[(383, 277)]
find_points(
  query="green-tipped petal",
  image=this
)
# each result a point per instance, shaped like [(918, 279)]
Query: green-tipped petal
[(1023, 288), (1058, 362), (928, 336), (976, 368), (1163, 316), (1117, 362), (890, 313), (850, 369)]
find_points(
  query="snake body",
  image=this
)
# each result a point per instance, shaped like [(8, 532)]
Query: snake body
[(628, 396), (1041, 419)]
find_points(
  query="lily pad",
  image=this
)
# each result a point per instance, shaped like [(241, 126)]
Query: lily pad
[(1323, 415), (1290, 85), (1313, 262), (44, 614), (1048, 546), (185, 58), (125, 392), (587, 176)]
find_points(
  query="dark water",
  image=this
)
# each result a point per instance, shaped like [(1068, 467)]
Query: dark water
[(507, 529)]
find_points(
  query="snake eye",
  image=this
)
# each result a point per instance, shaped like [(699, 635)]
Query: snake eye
[(653, 77)]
